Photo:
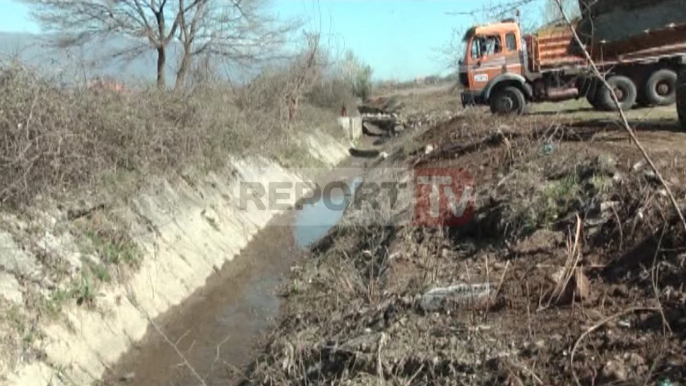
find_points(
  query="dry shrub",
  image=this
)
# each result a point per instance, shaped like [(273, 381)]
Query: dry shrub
[(331, 93), (56, 139)]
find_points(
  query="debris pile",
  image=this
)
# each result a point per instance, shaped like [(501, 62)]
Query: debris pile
[(386, 116)]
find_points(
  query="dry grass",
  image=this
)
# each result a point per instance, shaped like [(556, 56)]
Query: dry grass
[(58, 139)]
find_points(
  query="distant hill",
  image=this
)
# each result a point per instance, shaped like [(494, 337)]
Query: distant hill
[(88, 61)]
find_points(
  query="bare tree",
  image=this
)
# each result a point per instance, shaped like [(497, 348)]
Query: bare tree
[(235, 30), (232, 28), (553, 13)]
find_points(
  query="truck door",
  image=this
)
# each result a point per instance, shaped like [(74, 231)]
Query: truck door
[(491, 56), (487, 60)]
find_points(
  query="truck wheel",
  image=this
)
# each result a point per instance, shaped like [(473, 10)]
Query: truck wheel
[(660, 90), (624, 88), (508, 100), (681, 97)]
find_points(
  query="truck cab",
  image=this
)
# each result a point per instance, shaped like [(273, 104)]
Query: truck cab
[(494, 55)]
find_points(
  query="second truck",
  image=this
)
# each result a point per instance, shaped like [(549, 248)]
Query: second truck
[(639, 46)]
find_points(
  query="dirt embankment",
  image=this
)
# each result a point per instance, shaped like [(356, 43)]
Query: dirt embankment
[(571, 271)]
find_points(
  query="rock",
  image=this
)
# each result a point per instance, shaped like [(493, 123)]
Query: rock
[(10, 289), (429, 149), (369, 128), (364, 153), (127, 377), (615, 370), (608, 206), (14, 259), (460, 294), (634, 359), (83, 208), (651, 176), (638, 165), (542, 240), (578, 286), (606, 164)]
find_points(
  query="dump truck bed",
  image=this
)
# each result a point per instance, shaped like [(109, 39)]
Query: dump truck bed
[(618, 27), (634, 31), (551, 48)]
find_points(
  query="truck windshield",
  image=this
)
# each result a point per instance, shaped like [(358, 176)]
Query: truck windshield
[(486, 46)]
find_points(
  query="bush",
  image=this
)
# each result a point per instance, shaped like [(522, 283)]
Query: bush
[(333, 94), (363, 83), (56, 139)]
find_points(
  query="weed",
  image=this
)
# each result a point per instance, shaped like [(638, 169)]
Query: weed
[(84, 290), (100, 272), (15, 317), (115, 249), (52, 306), (601, 183), (557, 198), (22, 324)]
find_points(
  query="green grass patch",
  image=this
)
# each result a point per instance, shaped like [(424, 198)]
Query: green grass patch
[(115, 249)]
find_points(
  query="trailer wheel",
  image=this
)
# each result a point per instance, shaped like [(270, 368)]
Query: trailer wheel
[(681, 97), (624, 89), (660, 89), (508, 100)]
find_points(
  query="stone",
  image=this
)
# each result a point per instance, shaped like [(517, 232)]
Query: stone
[(606, 164), (609, 205), (461, 294), (14, 259), (634, 359), (10, 289), (615, 370), (542, 240), (429, 149)]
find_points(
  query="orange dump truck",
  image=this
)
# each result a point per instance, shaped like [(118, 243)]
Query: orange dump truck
[(505, 70)]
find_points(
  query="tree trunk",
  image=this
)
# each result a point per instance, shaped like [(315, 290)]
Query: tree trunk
[(161, 63), (183, 68)]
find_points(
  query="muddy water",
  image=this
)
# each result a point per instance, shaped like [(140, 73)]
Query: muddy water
[(218, 328)]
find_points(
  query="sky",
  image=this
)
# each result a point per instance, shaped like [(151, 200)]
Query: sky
[(400, 39)]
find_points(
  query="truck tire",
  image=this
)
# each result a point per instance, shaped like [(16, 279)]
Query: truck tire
[(660, 89), (681, 97), (624, 88), (508, 100)]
